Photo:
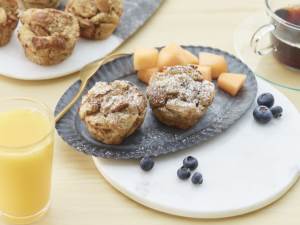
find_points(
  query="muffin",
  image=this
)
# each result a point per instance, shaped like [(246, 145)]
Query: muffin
[(48, 36), (113, 111), (97, 18), (40, 3), (179, 96), (8, 20)]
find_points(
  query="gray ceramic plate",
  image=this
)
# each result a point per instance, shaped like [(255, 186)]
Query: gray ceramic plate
[(154, 138)]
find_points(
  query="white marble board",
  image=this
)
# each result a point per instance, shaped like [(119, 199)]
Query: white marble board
[(244, 169)]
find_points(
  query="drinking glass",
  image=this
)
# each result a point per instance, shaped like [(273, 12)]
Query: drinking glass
[(26, 152)]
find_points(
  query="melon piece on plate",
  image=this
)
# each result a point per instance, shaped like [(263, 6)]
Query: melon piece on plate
[(171, 55), (217, 63), (188, 57), (231, 82), (145, 75), (145, 58), (206, 72)]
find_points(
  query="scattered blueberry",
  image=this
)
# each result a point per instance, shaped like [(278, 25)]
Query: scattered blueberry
[(266, 99), (147, 163), (190, 162), (262, 114), (277, 111), (183, 173), (197, 178)]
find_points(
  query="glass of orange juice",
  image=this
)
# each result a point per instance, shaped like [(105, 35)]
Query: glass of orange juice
[(26, 152)]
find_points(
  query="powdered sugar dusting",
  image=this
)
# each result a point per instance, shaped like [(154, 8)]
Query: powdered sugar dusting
[(184, 83), (117, 96)]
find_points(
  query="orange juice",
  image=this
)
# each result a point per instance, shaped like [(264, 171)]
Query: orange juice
[(26, 149)]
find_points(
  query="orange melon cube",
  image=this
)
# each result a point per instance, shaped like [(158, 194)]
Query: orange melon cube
[(145, 58), (231, 82), (206, 72), (188, 57), (171, 55), (145, 75), (216, 62)]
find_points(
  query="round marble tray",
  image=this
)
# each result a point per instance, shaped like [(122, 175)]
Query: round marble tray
[(153, 137), (246, 168)]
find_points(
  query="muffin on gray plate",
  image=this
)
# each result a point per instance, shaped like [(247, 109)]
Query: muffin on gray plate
[(113, 111), (8, 20), (179, 96)]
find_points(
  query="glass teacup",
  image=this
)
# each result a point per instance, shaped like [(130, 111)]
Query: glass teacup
[(283, 30)]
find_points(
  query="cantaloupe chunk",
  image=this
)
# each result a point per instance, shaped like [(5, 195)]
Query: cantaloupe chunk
[(231, 82), (216, 62), (206, 72), (145, 75), (145, 58), (188, 57), (171, 55)]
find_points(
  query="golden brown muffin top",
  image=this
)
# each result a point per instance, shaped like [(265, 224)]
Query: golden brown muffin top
[(41, 2), (50, 27), (8, 12), (90, 8), (91, 12), (117, 96), (180, 84)]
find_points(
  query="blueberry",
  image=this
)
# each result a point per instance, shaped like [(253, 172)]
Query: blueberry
[(197, 178), (190, 162), (147, 163), (277, 111), (183, 173), (266, 99), (262, 114)]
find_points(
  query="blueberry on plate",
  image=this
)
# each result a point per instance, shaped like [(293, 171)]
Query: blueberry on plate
[(147, 163), (266, 99), (197, 178), (262, 114), (183, 173), (190, 162), (277, 111)]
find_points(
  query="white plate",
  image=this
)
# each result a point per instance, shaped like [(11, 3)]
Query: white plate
[(244, 169), (14, 64)]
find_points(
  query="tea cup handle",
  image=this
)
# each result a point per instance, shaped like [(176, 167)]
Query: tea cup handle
[(258, 36)]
